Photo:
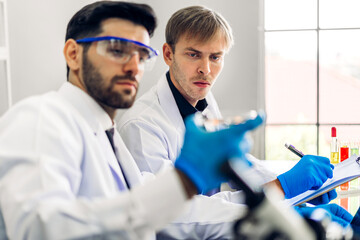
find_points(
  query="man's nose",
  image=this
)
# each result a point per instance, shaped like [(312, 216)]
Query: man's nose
[(133, 66), (204, 68)]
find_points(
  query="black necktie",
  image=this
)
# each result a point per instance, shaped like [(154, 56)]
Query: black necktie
[(110, 135)]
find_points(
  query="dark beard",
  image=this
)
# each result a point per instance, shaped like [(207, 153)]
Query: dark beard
[(94, 84)]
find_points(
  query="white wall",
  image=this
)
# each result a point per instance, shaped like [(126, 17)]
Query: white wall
[(236, 88), (36, 36), (37, 33)]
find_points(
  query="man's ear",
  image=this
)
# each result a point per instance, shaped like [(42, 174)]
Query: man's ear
[(168, 54), (72, 54)]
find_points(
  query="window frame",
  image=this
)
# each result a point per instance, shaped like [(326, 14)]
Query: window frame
[(262, 76)]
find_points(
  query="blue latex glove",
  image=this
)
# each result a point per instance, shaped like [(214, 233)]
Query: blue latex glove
[(336, 213), (355, 223), (325, 198), (309, 173), (204, 153)]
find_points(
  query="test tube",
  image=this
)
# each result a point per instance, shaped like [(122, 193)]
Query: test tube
[(354, 149), (334, 152), (344, 154)]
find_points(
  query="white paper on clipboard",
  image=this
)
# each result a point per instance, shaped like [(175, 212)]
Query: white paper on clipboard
[(343, 172)]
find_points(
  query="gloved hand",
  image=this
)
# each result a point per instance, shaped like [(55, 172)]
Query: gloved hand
[(204, 153), (325, 198), (309, 173), (355, 223), (337, 213)]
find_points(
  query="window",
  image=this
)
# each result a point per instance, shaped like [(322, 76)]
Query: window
[(312, 75), (5, 87)]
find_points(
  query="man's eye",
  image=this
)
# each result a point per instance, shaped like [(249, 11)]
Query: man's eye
[(116, 52), (144, 54), (142, 58), (215, 58), (193, 55)]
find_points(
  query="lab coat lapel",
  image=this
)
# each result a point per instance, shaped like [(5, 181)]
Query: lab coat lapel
[(95, 118), (129, 167), (212, 110), (168, 104), (110, 157)]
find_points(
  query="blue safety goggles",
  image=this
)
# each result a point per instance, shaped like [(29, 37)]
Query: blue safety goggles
[(121, 50)]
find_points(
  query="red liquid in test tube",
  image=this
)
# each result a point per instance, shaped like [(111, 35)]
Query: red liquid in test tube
[(344, 154)]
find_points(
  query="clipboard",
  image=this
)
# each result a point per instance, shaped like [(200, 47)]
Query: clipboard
[(343, 172)]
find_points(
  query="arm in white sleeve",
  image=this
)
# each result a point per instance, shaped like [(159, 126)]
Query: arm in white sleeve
[(260, 171), (205, 218), (48, 215), (42, 188)]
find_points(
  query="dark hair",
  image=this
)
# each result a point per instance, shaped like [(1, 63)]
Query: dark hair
[(87, 21), (197, 22)]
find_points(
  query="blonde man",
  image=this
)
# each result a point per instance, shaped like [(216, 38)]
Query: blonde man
[(197, 40)]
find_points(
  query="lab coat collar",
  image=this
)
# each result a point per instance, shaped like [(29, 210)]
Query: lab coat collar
[(94, 114), (185, 108), (168, 103), (99, 121)]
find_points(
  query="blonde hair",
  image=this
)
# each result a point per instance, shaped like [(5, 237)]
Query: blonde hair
[(197, 22)]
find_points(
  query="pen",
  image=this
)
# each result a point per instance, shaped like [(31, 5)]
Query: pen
[(294, 150)]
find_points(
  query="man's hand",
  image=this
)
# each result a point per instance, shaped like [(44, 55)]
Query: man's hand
[(309, 173), (204, 153), (336, 213), (325, 198), (355, 222)]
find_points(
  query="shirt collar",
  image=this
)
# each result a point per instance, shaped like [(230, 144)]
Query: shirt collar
[(183, 105), (94, 114)]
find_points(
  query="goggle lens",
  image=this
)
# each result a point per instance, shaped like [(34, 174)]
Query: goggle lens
[(121, 50)]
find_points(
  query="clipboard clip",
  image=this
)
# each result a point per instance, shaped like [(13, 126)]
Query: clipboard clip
[(358, 160)]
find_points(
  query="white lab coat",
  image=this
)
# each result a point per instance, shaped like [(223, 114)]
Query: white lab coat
[(153, 131), (58, 175)]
